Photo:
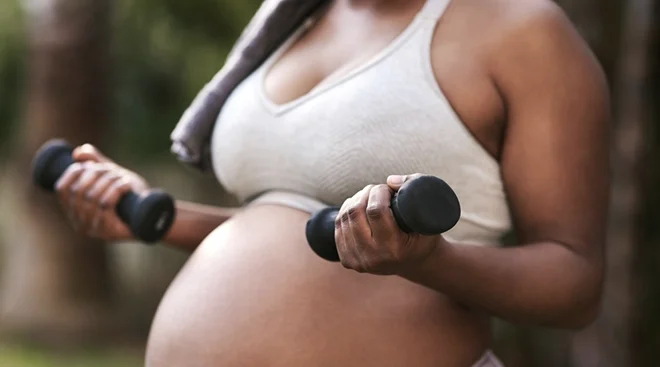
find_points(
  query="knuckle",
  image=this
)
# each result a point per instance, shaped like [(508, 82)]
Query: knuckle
[(121, 181), (376, 211), (105, 167), (382, 187), (355, 210), (89, 174), (92, 194), (345, 203), (346, 263), (110, 174), (100, 166), (343, 217), (123, 189), (104, 202), (85, 169), (125, 185), (75, 166), (367, 189), (104, 182)]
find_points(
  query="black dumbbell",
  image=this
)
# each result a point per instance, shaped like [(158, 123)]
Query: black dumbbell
[(426, 205), (149, 215)]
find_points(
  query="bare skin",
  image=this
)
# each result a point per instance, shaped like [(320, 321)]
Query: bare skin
[(252, 294)]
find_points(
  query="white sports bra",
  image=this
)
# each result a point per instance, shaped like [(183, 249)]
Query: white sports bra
[(388, 116)]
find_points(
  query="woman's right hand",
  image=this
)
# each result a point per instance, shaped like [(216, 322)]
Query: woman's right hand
[(89, 191)]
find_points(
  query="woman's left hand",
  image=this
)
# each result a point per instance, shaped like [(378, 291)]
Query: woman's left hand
[(368, 238)]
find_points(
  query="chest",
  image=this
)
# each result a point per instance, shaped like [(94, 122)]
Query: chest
[(333, 141), (324, 54)]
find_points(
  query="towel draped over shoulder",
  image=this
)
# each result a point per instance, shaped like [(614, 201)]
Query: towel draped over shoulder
[(272, 24)]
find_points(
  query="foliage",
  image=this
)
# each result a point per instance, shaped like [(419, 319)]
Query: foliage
[(164, 52), (12, 67), (26, 357)]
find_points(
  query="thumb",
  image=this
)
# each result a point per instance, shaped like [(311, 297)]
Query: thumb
[(396, 181), (88, 152)]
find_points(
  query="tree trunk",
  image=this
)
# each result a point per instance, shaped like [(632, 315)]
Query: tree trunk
[(645, 320), (608, 342), (599, 22), (57, 286)]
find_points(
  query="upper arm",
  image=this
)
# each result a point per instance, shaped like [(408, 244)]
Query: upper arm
[(555, 154)]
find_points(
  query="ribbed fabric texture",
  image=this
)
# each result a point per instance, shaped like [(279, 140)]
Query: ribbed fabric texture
[(388, 116)]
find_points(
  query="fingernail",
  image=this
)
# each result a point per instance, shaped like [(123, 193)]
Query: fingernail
[(396, 179)]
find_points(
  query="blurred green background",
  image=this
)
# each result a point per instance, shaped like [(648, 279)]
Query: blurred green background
[(120, 73)]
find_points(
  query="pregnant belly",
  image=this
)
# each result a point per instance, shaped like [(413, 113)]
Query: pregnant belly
[(254, 294)]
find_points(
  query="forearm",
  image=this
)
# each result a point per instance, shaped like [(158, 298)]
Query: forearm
[(544, 284), (194, 222)]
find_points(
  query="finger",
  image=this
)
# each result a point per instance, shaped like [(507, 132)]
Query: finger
[(352, 249), (114, 193), (86, 180), (95, 195), (379, 214), (346, 257), (68, 178), (343, 207), (345, 254), (357, 220), (83, 208), (339, 240), (349, 208), (96, 192), (88, 152)]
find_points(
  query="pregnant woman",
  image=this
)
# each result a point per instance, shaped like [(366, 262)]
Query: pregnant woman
[(500, 98)]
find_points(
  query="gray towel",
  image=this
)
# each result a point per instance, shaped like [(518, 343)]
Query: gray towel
[(270, 27)]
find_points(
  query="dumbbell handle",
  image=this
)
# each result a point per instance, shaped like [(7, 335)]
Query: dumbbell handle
[(426, 205), (149, 215)]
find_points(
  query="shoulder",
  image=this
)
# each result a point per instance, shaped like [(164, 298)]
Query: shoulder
[(512, 15), (502, 16), (535, 29), (533, 25), (535, 39), (499, 31)]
